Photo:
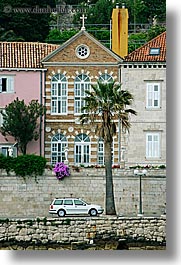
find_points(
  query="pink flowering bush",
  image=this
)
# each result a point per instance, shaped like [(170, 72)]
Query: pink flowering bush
[(61, 170)]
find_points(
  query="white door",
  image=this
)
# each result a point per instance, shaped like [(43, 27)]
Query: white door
[(80, 207)]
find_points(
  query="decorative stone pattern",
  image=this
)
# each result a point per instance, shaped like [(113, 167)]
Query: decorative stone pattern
[(29, 199), (42, 231)]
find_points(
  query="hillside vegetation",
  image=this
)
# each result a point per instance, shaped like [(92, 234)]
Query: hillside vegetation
[(19, 22)]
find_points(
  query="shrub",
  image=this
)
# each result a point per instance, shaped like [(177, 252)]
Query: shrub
[(29, 165), (162, 166), (2, 161), (6, 163)]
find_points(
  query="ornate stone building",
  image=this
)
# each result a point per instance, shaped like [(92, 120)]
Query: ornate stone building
[(71, 69)]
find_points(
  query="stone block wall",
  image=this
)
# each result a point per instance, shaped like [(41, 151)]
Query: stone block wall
[(19, 198), (30, 233)]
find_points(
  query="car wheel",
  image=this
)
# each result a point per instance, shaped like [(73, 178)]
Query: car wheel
[(93, 212), (61, 213)]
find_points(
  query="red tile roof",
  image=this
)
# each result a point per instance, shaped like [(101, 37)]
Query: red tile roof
[(142, 54), (24, 54)]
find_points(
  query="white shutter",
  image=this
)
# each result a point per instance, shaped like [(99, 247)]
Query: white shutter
[(148, 145), (156, 102), (15, 152), (1, 120), (10, 84), (149, 96), (156, 145), (0, 85), (1, 117)]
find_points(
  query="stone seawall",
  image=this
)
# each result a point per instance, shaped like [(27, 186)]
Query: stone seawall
[(19, 198), (81, 232)]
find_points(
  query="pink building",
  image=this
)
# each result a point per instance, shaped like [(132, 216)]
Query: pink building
[(22, 76)]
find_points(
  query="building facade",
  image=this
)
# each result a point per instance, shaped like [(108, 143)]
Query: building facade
[(71, 69), (58, 77), (143, 73), (22, 77)]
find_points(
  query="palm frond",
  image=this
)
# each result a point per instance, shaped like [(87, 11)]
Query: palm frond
[(107, 100)]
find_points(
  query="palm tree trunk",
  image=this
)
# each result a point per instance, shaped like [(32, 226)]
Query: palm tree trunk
[(110, 205)]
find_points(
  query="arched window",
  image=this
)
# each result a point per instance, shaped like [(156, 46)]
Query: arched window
[(58, 144), (105, 78), (81, 84), (82, 149), (59, 94)]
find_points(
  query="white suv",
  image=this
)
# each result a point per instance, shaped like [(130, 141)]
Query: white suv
[(64, 206)]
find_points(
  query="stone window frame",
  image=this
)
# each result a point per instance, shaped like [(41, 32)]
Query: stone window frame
[(153, 96), (82, 51)]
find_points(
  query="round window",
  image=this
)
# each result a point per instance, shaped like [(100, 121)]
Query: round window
[(82, 51)]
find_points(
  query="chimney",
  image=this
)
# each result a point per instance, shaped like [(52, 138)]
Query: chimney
[(120, 31)]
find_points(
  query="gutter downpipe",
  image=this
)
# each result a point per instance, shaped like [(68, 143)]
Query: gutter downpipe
[(41, 115)]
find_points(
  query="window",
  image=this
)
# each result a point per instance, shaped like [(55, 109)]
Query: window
[(82, 149), (8, 151), (105, 78), (58, 202), (153, 95), (81, 84), (58, 145), (100, 154), (154, 51), (152, 145), (6, 84), (82, 51), (78, 202), (59, 94), (68, 202)]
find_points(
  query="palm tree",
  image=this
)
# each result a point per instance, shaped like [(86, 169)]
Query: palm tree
[(108, 103)]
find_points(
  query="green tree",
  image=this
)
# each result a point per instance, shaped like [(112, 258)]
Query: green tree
[(143, 11), (100, 13), (156, 8), (24, 24), (138, 39), (21, 122), (110, 103), (140, 11), (154, 31), (57, 36)]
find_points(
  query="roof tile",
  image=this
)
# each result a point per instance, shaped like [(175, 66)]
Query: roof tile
[(24, 54), (142, 54)]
